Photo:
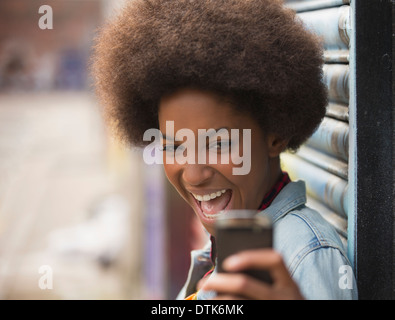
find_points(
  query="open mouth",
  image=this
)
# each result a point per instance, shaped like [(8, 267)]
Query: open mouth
[(211, 204)]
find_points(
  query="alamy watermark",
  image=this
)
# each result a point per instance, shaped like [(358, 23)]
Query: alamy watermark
[(46, 280), (180, 147), (347, 279), (46, 20)]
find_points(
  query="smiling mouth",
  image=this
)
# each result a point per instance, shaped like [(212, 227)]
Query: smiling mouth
[(211, 204)]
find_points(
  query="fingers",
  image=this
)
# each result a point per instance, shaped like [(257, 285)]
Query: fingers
[(266, 259), (237, 286)]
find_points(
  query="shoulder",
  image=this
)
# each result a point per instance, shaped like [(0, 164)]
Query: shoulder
[(303, 231), (314, 255)]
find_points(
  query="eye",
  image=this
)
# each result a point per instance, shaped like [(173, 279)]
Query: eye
[(219, 145), (171, 148), (167, 148)]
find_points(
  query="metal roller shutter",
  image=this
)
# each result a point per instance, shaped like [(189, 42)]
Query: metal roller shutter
[(322, 162), (348, 164)]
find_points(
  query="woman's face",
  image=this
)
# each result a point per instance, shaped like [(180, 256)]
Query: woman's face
[(211, 188)]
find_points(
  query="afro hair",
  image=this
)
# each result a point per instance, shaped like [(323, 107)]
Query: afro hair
[(256, 52)]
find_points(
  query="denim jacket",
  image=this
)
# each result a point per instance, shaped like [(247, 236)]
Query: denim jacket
[(310, 247)]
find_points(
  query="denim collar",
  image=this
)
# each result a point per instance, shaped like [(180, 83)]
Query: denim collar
[(292, 196)]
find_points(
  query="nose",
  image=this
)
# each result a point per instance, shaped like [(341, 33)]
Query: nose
[(197, 174)]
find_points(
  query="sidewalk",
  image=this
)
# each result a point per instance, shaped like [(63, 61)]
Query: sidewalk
[(66, 201)]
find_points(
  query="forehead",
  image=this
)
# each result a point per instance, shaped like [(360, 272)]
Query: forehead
[(197, 109)]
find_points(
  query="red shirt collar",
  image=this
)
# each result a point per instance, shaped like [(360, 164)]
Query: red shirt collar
[(272, 194)]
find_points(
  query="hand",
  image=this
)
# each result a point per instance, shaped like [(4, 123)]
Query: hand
[(236, 285)]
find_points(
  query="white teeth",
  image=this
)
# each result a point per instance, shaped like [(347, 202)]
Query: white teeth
[(208, 197), (212, 216)]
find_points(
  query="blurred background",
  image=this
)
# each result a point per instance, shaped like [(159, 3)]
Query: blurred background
[(81, 216)]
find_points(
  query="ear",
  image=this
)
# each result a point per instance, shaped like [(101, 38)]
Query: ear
[(276, 145)]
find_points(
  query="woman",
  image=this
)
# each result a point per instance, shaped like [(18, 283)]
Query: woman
[(241, 66)]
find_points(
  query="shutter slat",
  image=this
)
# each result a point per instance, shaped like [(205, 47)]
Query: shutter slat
[(336, 78), (324, 161), (336, 56), (333, 25), (331, 137), (337, 111), (320, 184), (307, 5)]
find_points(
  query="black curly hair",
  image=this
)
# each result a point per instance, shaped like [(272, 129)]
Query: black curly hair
[(255, 52)]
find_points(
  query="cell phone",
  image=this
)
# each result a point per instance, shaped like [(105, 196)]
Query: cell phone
[(240, 230)]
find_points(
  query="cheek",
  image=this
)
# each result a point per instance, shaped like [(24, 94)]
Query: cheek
[(172, 173), (252, 186), (225, 170)]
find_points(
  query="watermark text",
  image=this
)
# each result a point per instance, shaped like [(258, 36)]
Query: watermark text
[(221, 146)]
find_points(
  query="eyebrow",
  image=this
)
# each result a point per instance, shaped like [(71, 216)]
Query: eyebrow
[(209, 134)]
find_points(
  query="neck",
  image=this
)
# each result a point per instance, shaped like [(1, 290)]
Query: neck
[(277, 181), (275, 171)]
